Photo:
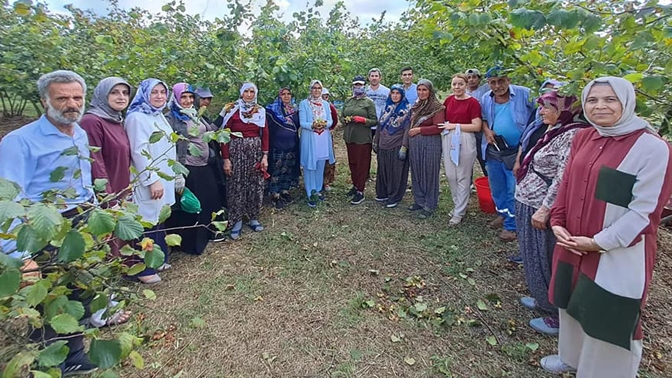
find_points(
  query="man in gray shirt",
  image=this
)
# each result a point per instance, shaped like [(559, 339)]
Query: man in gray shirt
[(377, 93)]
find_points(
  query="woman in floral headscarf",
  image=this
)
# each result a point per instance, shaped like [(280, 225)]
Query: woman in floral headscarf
[(423, 141), (392, 174), (539, 179), (245, 158), (283, 124), (151, 191), (316, 143), (193, 152)]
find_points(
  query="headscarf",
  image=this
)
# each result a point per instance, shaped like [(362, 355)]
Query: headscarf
[(316, 105), (281, 113), (569, 119), (141, 103), (555, 83), (250, 112), (425, 109), (396, 115), (625, 92), (177, 110), (100, 105)]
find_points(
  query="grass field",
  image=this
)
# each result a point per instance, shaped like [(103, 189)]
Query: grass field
[(360, 291)]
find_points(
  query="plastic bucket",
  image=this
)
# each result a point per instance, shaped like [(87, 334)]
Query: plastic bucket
[(485, 201)]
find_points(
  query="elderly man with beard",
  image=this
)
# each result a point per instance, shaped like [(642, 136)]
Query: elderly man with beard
[(29, 155)]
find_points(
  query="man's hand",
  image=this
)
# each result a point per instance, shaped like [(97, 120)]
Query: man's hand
[(489, 135), (156, 190)]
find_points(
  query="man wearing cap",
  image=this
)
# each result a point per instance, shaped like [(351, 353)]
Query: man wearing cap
[(475, 90), (410, 89), (377, 92), (329, 168), (506, 109)]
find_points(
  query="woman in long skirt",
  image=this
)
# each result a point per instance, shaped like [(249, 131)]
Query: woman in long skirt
[(283, 123), (245, 158), (392, 175), (423, 141)]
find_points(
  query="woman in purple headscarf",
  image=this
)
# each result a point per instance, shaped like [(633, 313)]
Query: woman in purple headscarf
[(193, 153), (539, 179)]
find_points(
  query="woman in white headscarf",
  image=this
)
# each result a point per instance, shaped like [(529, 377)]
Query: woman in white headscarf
[(245, 158), (605, 218), (316, 144)]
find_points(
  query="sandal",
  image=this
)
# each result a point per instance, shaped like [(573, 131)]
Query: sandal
[(120, 317), (256, 226), (235, 231)]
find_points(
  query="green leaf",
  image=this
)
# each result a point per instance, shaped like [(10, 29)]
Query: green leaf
[(528, 19), (563, 19), (36, 293), (194, 150), (164, 213), (481, 305), (10, 280), (41, 374), (105, 353), (180, 169), (20, 363), (128, 228), (420, 307), (532, 346), (8, 189), (137, 268), (149, 294), (54, 354), (10, 262), (56, 306), (64, 323), (75, 309), (197, 323), (127, 341), (45, 219), (491, 340), (634, 77), (356, 354), (156, 136), (72, 248), (99, 185), (99, 302), (70, 151), (101, 222), (137, 360), (57, 174), (29, 240), (649, 83), (173, 240), (10, 210), (591, 23), (155, 257)]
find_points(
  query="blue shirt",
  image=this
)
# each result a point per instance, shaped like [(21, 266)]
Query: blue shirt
[(505, 126), (411, 93), (30, 154), (522, 105)]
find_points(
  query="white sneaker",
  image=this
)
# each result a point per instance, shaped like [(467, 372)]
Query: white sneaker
[(454, 221), (553, 364), (164, 267)]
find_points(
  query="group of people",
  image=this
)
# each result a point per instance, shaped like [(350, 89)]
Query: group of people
[(579, 183)]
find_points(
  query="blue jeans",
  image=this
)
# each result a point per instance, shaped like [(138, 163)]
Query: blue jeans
[(503, 188)]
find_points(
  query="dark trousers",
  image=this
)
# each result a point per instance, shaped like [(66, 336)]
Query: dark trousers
[(359, 160), (479, 153)]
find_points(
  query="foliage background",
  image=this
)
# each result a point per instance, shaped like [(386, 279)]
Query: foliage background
[(574, 41)]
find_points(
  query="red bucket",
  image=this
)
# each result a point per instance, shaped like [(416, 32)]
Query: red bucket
[(485, 201)]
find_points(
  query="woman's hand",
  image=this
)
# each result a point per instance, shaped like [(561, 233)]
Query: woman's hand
[(413, 132), (540, 217), (156, 190), (264, 163), (516, 167), (578, 245), (228, 170)]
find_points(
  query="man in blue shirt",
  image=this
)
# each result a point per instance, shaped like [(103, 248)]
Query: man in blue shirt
[(51, 155), (506, 109), (410, 88)]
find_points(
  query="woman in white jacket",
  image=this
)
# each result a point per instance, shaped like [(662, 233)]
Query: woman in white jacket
[(150, 191)]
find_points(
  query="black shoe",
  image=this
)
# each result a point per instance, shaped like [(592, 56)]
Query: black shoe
[(77, 364), (424, 214), (516, 259), (358, 198), (218, 237), (391, 204), (415, 207), (286, 196), (351, 192)]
